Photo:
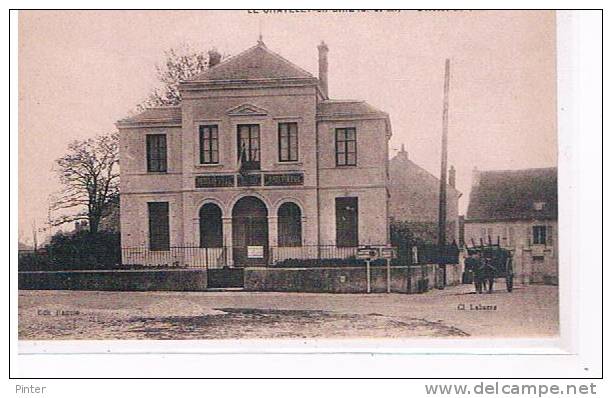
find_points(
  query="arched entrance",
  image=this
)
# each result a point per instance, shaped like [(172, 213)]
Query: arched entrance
[(250, 232)]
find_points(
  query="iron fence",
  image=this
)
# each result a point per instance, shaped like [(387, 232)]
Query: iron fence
[(219, 257), (176, 256)]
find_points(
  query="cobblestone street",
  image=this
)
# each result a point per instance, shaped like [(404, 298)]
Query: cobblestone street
[(451, 313)]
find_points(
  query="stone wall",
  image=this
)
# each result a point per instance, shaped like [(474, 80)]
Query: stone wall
[(404, 279)]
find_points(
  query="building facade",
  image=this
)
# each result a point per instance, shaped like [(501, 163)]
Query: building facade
[(415, 194), (256, 164), (518, 210)]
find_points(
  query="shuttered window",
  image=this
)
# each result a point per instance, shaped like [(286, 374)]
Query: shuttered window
[(248, 146), (156, 153), (159, 226), (209, 144), (287, 142), (539, 235)]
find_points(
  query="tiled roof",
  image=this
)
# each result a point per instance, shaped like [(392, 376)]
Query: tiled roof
[(170, 114), (514, 195), (346, 108), (404, 171), (256, 62)]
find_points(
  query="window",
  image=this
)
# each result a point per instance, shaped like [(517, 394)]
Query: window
[(209, 144), (287, 142), (289, 225), (211, 226), (347, 224), (346, 147), (539, 206), (539, 235), (159, 226), (248, 146), (156, 153)]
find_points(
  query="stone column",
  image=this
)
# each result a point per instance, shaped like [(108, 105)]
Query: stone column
[(272, 237), (304, 220), (227, 240)]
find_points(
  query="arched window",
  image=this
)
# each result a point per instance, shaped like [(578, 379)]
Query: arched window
[(211, 226), (289, 225)]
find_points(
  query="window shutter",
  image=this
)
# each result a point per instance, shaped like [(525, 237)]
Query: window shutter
[(528, 236), (549, 233)]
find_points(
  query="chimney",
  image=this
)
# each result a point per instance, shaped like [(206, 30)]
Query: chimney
[(475, 177), (402, 154), (451, 176), (323, 50), (214, 57)]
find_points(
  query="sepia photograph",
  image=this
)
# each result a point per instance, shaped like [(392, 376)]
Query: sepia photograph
[(298, 175), (280, 193)]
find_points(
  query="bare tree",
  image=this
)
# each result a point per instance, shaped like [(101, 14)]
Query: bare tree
[(181, 64), (89, 174)]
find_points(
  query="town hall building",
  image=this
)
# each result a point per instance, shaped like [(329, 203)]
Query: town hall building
[(257, 164)]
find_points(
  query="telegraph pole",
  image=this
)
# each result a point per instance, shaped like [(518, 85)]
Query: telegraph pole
[(34, 236), (443, 178)]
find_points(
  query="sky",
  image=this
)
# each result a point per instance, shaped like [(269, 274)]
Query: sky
[(80, 72)]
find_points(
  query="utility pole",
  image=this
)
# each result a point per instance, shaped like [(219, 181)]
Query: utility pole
[(34, 236), (443, 178)]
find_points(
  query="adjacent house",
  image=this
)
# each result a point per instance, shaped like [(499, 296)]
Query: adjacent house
[(414, 200), (518, 209), (258, 163)]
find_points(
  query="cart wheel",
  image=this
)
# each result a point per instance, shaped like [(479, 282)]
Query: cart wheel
[(509, 280)]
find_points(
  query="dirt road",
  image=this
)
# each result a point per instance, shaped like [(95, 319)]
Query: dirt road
[(451, 313)]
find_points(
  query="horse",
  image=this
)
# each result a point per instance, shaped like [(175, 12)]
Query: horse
[(484, 275)]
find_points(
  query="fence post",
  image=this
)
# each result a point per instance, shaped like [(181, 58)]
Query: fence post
[(388, 275), (369, 287)]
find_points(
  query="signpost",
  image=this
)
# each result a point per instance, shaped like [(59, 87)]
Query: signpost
[(388, 253), (367, 253)]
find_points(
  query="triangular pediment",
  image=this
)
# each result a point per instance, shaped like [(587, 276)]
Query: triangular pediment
[(247, 110), (257, 62)]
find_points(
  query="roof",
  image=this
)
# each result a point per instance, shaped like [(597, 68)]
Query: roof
[(158, 115), (513, 195), (255, 63), (339, 108), (350, 109), (404, 171)]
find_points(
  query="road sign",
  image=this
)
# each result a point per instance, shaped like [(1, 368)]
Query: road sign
[(367, 253), (387, 252)]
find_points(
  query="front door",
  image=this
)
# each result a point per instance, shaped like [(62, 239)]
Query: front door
[(250, 232)]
